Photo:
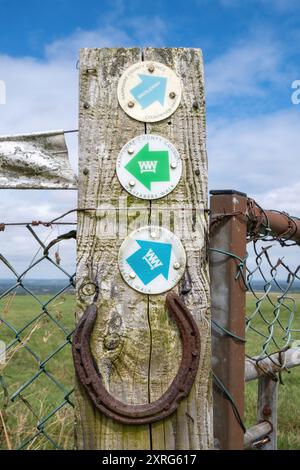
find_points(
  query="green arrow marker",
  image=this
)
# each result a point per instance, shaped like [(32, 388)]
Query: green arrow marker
[(149, 166)]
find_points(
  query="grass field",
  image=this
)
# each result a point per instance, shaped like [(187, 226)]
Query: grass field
[(42, 396), (18, 420), (289, 393)]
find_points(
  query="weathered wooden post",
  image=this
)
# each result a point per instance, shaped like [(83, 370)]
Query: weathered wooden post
[(135, 344)]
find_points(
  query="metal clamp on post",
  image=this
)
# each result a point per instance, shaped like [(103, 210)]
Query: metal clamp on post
[(179, 389)]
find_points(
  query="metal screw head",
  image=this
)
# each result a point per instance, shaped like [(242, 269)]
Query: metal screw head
[(130, 104), (172, 95), (173, 165), (176, 265), (153, 234), (85, 171), (130, 151), (151, 68), (131, 183), (86, 105), (132, 275)]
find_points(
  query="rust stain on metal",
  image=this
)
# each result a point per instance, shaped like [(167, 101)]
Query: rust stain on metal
[(275, 224), (267, 410), (167, 404), (279, 225), (228, 232)]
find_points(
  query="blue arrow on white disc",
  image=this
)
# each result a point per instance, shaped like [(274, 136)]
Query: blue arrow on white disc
[(152, 88), (151, 260)]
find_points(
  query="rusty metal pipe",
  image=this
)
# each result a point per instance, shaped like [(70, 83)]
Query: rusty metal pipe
[(280, 224), (256, 433)]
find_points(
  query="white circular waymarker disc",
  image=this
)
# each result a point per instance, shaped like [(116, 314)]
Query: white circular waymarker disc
[(149, 167), (149, 91), (152, 260)]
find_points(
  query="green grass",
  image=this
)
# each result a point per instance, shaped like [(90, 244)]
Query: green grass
[(42, 396), (289, 393), (21, 417)]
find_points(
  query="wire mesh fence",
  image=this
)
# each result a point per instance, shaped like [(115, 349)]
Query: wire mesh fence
[(273, 284), (260, 275), (273, 299), (36, 326), (37, 321), (270, 273)]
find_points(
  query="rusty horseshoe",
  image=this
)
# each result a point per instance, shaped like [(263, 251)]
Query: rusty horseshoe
[(91, 379)]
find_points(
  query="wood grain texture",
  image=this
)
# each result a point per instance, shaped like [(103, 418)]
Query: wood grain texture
[(191, 426), (135, 344)]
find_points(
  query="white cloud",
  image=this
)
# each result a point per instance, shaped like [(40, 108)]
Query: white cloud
[(67, 48), (285, 198), (258, 155), (277, 5), (244, 70), (40, 95), (43, 95), (281, 5)]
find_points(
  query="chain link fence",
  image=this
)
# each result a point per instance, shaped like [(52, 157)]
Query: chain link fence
[(273, 299), (37, 320), (257, 254), (36, 326), (272, 282)]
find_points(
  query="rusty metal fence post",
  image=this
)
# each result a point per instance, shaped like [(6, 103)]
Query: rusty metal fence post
[(267, 403), (227, 260)]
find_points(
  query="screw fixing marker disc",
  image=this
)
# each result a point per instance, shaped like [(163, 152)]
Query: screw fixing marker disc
[(152, 260), (149, 91), (149, 167)]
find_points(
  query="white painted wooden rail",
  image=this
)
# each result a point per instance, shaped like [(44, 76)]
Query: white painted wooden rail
[(272, 364), (266, 371)]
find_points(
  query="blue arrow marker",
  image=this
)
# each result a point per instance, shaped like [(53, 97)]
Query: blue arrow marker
[(151, 260), (152, 88)]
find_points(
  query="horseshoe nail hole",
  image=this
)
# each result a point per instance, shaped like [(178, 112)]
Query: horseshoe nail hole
[(88, 288), (169, 123), (111, 341)]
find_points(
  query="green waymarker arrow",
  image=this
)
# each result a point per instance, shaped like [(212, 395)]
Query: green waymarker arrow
[(149, 166)]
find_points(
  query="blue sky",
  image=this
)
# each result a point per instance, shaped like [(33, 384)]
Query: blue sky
[(252, 55)]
